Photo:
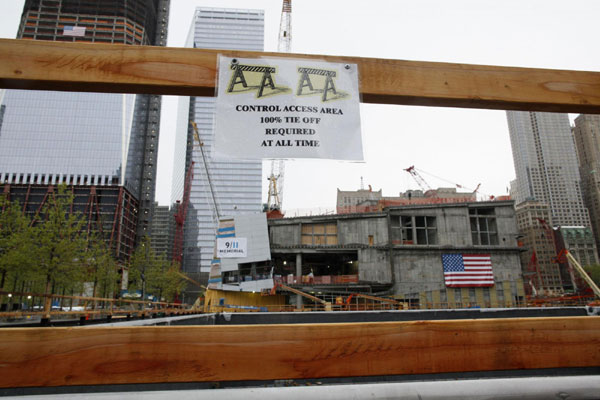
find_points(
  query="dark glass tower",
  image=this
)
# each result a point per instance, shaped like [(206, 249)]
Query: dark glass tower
[(104, 146)]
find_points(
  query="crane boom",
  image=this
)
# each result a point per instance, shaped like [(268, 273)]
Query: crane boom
[(205, 164), (582, 272), (418, 178)]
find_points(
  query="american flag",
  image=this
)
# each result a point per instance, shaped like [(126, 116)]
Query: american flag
[(74, 30), (468, 270)]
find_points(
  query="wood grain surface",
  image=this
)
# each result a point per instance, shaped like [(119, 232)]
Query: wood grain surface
[(110, 355), (46, 65)]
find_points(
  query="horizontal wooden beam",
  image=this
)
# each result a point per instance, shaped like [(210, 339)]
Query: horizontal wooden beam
[(109, 355), (45, 65)]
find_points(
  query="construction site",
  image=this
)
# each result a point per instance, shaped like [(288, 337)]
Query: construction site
[(435, 293)]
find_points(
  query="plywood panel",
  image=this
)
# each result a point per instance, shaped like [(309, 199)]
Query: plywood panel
[(147, 69), (100, 355)]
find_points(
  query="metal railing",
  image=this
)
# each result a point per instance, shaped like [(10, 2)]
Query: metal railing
[(29, 306)]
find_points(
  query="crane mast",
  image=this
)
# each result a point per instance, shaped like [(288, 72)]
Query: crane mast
[(285, 28), (275, 195)]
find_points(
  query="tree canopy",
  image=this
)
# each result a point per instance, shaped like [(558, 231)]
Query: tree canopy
[(55, 252)]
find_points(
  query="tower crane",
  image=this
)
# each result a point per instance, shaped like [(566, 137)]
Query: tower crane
[(432, 192), (275, 195), (420, 180)]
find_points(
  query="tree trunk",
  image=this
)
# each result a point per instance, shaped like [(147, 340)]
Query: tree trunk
[(2, 288), (95, 286), (60, 304), (48, 299)]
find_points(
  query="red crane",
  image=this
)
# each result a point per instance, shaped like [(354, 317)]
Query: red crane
[(183, 206), (180, 216)]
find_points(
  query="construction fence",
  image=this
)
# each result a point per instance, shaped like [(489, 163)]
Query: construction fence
[(35, 307)]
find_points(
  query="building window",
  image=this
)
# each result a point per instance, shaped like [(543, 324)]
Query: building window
[(408, 229), (319, 234), (483, 226)]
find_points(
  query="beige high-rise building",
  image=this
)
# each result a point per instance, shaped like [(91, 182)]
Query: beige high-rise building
[(587, 141), (546, 165)]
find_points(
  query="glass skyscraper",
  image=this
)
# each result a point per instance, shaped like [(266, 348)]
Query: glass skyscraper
[(546, 165), (102, 145), (236, 184)]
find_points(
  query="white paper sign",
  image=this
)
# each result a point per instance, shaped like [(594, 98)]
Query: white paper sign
[(282, 108), (233, 247)]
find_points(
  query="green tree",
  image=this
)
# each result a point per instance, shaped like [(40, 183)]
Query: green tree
[(103, 270), (16, 243), (152, 274), (163, 279), (140, 262), (61, 244)]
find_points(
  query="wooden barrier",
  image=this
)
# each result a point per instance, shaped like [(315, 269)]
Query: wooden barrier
[(47, 65), (101, 355), (94, 356)]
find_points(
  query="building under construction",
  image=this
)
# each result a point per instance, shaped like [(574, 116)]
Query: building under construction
[(108, 210), (546, 271), (400, 252), (367, 200), (102, 146)]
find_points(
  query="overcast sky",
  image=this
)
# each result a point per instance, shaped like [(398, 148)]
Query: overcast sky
[(462, 146)]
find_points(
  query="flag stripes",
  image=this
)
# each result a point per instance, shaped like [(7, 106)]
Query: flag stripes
[(468, 270)]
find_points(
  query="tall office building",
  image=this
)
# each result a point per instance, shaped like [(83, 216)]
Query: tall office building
[(587, 141), (546, 165), (103, 146), (236, 185), (163, 230)]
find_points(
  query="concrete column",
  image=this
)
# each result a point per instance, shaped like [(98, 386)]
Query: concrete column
[(422, 300), (521, 289), (435, 297), (298, 279), (253, 271), (464, 296), (450, 297), (507, 294), (479, 297), (493, 297)]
